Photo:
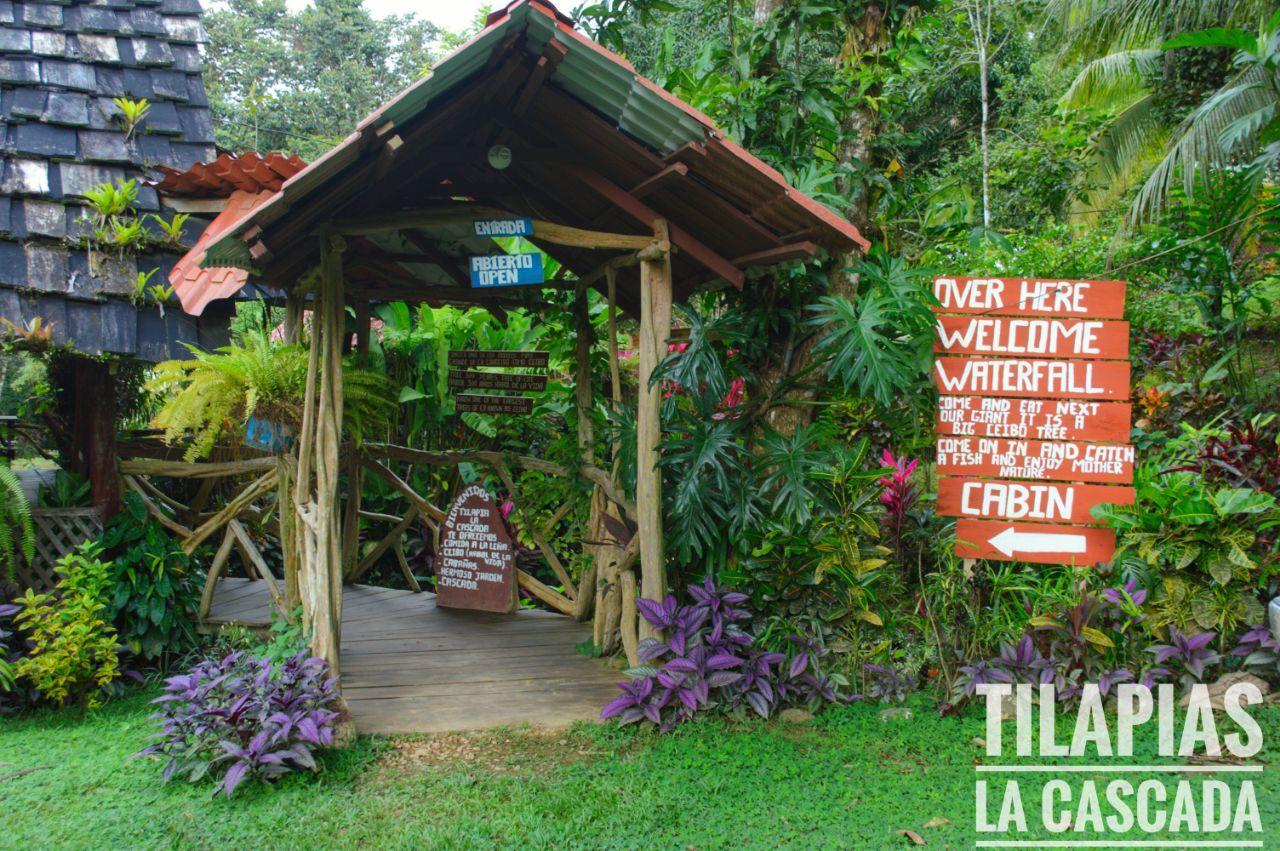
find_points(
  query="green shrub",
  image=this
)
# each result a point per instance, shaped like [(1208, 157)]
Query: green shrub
[(152, 596), (74, 650), (1193, 542)]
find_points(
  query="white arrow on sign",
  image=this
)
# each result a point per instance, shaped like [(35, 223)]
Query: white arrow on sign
[(1010, 541)]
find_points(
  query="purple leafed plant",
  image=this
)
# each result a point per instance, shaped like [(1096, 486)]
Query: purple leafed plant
[(1190, 653), (239, 717), (708, 661), (887, 684), (1260, 651)]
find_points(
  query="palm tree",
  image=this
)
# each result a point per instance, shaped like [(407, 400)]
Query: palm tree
[(1123, 45)]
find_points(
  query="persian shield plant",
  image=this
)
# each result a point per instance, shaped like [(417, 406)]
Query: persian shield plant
[(238, 717)]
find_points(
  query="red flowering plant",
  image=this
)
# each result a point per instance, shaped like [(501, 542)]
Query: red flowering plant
[(899, 496)]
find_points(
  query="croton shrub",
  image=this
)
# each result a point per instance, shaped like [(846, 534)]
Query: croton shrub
[(238, 717), (708, 661)]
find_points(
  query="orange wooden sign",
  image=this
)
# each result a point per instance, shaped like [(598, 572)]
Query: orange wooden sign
[(1032, 337), (1036, 378), (1030, 297), (1041, 460), (1039, 501), (1042, 543), (1036, 419)]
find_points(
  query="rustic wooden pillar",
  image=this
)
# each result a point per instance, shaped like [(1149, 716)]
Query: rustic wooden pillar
[(608, 591), (293, 309), (94, 425), (615, 368), (320, 580), (286, 470), (585, 601), (655, 330), (582, 378), (363, 320), (351, 517)]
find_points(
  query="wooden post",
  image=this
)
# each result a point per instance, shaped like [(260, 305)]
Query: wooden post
[(655, 330), (286, 467), (615, 368), (293, 308), (321, 575), (582, 380), (351, 521), (586, 596), (363, 318), (94, 424)]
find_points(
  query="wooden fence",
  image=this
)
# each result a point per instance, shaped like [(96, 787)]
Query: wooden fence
[(58, 532)]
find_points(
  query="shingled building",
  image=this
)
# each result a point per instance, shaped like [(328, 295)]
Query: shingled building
[(62, 65)]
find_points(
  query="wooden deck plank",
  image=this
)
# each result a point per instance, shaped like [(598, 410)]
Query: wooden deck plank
[(409, 666)]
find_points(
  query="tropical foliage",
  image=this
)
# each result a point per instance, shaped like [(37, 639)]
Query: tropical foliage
[(214, 394), (73, 651), (239, 718)]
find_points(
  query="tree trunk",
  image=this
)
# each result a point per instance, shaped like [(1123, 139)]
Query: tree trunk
[(94, 426), (979, 14), (791, 410)]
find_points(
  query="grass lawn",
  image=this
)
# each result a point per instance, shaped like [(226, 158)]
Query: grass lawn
[(847, 779)]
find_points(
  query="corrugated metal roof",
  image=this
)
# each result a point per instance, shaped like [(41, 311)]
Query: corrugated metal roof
[(588, 72)]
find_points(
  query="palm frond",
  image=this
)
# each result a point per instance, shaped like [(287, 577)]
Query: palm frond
[(1088, 29), (1124, 149), (1113, 81), (1197, 143)]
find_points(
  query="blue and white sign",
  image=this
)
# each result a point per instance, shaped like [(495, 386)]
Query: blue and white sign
[(506, 270), (268, 436), (504, 227)]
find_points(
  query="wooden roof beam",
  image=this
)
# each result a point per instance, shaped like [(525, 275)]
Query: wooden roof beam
[(646, 215), (659, 180), (690, 153), (432, 253), (542, 70), (781, 254)]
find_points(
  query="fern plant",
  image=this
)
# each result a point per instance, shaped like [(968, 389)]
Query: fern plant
[(17, 535), (215, 394)]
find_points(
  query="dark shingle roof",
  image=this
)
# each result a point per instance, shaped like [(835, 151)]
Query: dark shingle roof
[(61, 63)]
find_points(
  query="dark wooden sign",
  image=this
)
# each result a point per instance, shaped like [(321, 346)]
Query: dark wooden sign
[(497, 357), (476, 566), (479, 403), (471, 380), (1036, 419)]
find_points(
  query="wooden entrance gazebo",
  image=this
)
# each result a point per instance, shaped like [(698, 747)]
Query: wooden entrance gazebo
[(529, 119)]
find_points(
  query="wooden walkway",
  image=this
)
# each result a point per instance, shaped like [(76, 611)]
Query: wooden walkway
[(410, 667)]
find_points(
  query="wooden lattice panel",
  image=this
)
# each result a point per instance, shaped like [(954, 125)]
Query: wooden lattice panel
[(58, 532)]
